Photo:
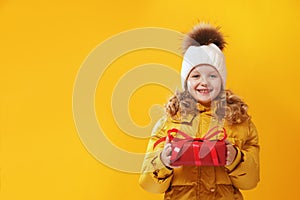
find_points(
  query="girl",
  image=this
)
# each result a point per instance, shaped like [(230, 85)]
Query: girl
[(203, 104)]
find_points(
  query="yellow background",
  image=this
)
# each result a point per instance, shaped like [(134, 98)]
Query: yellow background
[(43, 44)]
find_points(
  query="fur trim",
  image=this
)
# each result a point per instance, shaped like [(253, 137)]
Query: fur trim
[(203, 34)]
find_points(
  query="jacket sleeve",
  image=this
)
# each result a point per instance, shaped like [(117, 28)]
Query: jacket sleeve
[(244, 171), (155, 177)]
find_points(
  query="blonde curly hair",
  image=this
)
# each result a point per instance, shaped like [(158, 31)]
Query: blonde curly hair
[(228, 106)]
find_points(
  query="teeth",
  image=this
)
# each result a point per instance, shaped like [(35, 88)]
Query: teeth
[(204, 90)]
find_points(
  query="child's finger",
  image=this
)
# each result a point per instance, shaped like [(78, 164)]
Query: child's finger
[(227, 142), (167, 140), (168, 150)]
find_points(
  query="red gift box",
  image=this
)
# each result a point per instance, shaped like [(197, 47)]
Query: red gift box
[(197, 151)]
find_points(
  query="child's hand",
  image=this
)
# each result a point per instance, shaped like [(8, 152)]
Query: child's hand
[(165, 155), (231, 153)]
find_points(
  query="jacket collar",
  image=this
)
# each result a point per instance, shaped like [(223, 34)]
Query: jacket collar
[(188, 119), (207, 109)]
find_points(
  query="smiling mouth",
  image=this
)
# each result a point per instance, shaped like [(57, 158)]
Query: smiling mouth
[(204, 91)]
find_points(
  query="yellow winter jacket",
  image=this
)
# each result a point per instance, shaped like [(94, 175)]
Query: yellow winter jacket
[(207, 183)]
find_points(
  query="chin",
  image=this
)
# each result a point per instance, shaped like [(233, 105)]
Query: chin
[(204, 102)]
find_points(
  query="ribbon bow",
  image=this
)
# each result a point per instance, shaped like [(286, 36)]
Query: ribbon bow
[(196, 150)]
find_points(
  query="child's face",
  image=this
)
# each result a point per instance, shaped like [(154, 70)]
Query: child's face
[(204, 84)]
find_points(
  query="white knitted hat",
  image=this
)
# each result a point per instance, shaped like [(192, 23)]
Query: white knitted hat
[(203, 45)]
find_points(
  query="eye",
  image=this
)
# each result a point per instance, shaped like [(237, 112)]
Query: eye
[(195, 76), (212, 76)]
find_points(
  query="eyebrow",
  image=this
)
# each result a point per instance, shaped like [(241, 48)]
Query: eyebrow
[(207, 72)]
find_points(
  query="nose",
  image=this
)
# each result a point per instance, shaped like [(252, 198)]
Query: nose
[(202, 82)]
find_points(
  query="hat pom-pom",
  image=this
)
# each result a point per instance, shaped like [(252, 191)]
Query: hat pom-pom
[(203, 34)]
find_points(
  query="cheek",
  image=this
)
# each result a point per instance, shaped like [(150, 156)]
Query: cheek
[(189, 85), (218, 88), (217, 84)]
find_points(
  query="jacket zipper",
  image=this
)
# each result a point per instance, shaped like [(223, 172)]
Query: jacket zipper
[(198, 193)]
